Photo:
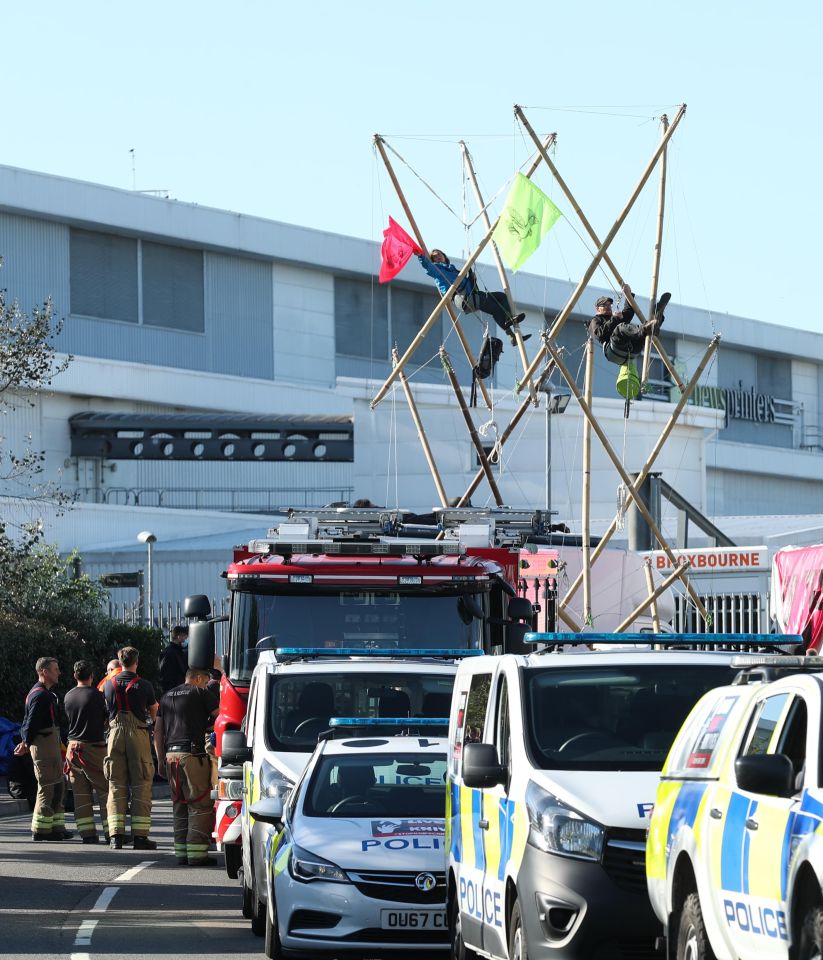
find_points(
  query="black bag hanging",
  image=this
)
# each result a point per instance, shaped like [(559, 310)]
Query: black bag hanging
[(490, 352)]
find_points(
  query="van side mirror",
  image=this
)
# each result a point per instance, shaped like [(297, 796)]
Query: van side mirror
[(268, 810), (233, 749), (771, 774), (481, 765), (201, 645), (197, 606)]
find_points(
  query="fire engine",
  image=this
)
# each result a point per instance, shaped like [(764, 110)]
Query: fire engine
[(361, 580)]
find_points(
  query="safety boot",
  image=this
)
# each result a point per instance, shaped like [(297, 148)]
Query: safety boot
[(143, 843), (116, 842)]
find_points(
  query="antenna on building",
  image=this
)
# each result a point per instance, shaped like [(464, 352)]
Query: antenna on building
[(133, 170)]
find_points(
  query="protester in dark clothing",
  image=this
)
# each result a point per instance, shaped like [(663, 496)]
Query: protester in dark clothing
[(174, 660), (621, 338), (40, 733), (186, 713), (86, 711), (469, 296)]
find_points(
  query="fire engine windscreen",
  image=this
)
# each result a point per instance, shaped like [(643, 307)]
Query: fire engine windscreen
[(302, 705), (347, 618), (615, 717)]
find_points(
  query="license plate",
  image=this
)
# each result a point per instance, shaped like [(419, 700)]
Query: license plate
[(413, 919)]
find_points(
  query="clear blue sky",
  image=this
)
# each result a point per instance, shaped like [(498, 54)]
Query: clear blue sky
[(269, 109)]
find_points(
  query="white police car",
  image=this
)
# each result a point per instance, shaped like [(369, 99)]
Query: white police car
[(359, 864), (735, 850)]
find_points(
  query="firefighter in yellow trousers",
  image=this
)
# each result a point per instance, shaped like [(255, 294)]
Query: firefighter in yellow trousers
[(128, 765), (40, 734), (85, 709), (186, 712)]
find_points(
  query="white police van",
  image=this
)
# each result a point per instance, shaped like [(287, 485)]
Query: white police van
[(293, 695), (358, 863), (554, 760)]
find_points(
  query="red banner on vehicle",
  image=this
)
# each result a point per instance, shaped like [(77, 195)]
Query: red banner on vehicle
[(797, 593)]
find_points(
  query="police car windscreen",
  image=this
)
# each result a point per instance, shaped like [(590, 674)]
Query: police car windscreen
[(353, 618), (384, 787), (303, 704), (612, 717)]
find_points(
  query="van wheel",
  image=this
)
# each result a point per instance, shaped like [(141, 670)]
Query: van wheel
[(811, 935), (258, 916), (272, 948), (459, 950), (248, 904), (517, 935), (692, 941)]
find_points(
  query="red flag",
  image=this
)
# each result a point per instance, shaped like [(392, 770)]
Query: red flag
[(396, 251)]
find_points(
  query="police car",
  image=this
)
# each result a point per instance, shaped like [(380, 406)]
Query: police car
[(554, 761), (357, 864), (735, 851)]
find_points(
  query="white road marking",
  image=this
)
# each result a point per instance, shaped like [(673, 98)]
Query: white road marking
[(131, 874), (80, 956), (83, 938), (104, 900)]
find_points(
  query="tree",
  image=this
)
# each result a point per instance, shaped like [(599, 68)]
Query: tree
[(28, 362)]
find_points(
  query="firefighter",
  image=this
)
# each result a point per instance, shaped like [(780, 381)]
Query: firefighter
[(186, 712), (128, 764), (86, 711), (41, 737)]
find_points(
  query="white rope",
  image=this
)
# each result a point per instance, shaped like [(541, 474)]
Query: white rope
[(425, 184)]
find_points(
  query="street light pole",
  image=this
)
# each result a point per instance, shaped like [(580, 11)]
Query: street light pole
[(149, 539)]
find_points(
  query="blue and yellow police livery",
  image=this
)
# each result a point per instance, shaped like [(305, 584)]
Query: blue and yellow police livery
[(554, 760), (735, 854)]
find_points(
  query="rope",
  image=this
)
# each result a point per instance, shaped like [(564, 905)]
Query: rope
[(425, 184)]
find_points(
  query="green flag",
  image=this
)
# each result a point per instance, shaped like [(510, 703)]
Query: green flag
[(527, 217)]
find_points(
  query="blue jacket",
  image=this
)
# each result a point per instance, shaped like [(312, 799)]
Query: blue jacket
[(444, 275)]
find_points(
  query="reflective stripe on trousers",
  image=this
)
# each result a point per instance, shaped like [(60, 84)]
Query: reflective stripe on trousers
[(48, 816), (128, 765), (189, 777)]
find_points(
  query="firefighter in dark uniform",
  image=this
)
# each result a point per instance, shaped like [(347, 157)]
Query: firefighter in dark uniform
[(186, 712), (85, 708), (40, 734), (128, 765)]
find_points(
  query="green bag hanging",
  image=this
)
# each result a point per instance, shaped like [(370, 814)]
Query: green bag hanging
[(628, 382)]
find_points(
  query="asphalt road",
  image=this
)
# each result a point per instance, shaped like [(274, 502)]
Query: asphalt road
[(75, 901)]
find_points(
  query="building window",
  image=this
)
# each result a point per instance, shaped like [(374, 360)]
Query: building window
[(172, 287), (103, 277), (369, 319), (106, 275)]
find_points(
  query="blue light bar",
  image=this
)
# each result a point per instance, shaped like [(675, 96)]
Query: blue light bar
[(667, 639), (389, 722), (397, 652)]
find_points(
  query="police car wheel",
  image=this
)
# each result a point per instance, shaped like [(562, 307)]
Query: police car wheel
[(811, 935), (517, 935), (459, 950), (692, 942)]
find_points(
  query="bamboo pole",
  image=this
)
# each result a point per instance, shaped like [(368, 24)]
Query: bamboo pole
[(501, 270), (504, 436), (652, 598), (478, 446), (647, 466), (647, 566), (587, 476), (604, 245), (421, 433), (378, 141), (633, 493), (658, 248)]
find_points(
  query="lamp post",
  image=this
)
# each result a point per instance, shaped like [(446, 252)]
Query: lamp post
[(149, 539), (554, 403)]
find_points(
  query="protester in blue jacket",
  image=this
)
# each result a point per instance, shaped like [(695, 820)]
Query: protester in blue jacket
[(469, 297)]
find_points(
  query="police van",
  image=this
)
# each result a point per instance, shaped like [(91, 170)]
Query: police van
[(554, 759), (294, 694), (735, 851)]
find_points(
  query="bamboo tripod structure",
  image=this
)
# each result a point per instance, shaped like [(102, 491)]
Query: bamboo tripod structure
[(550, 352)]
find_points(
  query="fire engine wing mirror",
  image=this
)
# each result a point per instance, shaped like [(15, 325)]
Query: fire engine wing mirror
[(233, 749), (481, 765), (197, 606), (268, 810), (468, 608), (771, 774), (201, 645), (520, 609)]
